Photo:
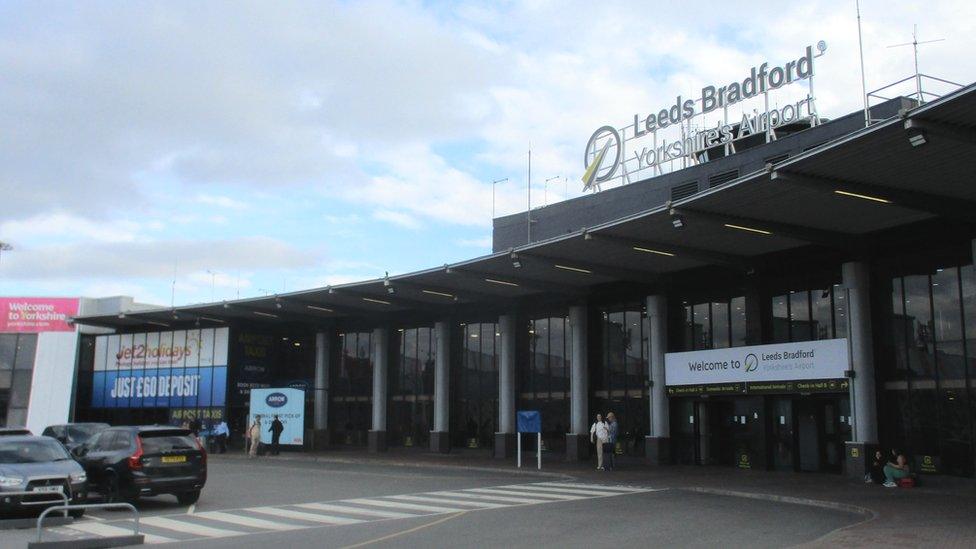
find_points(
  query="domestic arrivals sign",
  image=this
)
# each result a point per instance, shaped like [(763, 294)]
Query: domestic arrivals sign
[(178, 369), (780, 367)]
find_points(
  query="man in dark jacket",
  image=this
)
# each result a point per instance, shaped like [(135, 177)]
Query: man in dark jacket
[(276, 428)]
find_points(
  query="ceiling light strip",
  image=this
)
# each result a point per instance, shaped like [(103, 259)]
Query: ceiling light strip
[(380, 301), (502, 282), (317, 308), (650, 251), (574, 269), (270, 315), (747, 229), (862, 196), (442, 294)]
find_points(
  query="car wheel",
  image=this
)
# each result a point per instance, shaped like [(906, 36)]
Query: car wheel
[(77, 513), (188, 498), (113, 491)]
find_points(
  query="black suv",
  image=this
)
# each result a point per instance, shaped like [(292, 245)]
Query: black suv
[(125, 463), (73, 434)]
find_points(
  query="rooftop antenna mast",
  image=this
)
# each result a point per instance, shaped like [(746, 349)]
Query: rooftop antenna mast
[(915, 44), (860, 49)]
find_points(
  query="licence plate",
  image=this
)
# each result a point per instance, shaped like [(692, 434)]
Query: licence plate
[(48, 489), (174, 459)]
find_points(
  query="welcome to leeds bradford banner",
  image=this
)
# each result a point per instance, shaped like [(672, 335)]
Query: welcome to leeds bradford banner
[(180, 369), (738, 368)]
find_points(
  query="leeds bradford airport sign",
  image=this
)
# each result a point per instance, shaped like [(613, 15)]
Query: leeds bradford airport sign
[(605, 154), (807, 366)]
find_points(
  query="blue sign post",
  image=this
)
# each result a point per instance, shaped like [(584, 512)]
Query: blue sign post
[(530, 421)]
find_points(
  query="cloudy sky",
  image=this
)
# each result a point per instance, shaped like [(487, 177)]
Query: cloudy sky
[(249, 148)]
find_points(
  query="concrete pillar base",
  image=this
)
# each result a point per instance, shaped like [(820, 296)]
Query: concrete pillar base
[(577, 447), (317, 439), (857, 458), (505, 444), (657, 451), (440, 442), (376, 441)]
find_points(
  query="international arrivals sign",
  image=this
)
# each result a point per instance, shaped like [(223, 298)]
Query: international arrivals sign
[(808, 366), (607, 153)]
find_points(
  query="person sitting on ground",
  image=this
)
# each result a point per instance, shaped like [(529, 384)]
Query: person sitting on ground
[(896, 470)]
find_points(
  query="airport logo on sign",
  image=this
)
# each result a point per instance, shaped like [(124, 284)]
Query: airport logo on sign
[(602, 156), (276, 400), (752, 362)]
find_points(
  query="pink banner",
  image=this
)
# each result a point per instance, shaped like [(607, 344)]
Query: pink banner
[(37, 314)]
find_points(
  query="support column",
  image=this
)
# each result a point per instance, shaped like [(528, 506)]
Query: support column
[(324, 344), (440, 439), (657, 445), (578, 439), (381, 346), (856, 278), (505, 437)]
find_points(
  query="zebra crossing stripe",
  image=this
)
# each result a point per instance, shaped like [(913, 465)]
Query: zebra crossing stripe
[(107, 530), (188, 527), (517, 494), (506, 499), (575, 491), (300, 515), (242, 520), (424, 499), (399, 505), (590, 486), (345, 509)]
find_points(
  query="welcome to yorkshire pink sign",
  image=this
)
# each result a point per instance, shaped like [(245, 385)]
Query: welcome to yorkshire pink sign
[(37, 314)]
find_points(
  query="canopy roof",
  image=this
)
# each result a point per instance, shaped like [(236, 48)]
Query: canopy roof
[(906, 169)]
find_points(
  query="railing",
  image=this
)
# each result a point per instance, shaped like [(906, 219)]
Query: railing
[(66, 508), (920, 94)]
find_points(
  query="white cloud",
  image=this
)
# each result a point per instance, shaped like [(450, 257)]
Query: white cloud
[(66, 226), (399, 219), (484, 242), (225, 202)]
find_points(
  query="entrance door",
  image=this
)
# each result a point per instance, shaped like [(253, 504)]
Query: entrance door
[(715, 432), (783, 437), (808, 428)]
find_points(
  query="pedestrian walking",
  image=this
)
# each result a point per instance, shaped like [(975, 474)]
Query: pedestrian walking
[(598, 436), (222, 432), (276, 428), (254, 436), (612, 432)]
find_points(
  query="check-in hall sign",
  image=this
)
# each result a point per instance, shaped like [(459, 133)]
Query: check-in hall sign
[(685, 129), (826, 359)]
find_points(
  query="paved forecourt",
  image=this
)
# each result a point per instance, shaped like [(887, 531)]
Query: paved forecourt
[(263, 519)]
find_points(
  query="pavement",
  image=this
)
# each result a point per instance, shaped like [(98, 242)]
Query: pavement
[(409, 498), (938, 512)]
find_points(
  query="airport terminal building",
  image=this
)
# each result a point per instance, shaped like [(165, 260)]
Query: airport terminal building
[(783, 300)]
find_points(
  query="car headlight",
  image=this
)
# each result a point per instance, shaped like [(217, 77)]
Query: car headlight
[(78, 477), (11, 481)]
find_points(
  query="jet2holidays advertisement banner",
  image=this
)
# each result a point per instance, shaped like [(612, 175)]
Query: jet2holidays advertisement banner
[(178, 369)]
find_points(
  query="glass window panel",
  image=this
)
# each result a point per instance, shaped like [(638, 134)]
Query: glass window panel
[(947, 313), (720, 325), (427, 350), (689, 329), (635, 350), (738, 314), (899, 330), (800, 329), (616, 359), (8, 349), (26, 345), (822, 326), (917, 312), (781, 322), (840, 311), (6, 377), (969, 310), (703, 327), (559, 348), (16, 417)]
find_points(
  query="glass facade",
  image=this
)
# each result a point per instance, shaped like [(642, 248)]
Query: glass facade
[(16, 370), (352, 389), (474, 412), (544, 383), (618, 382), (714, 325), (411, 409), (807, 315), (929, 386)]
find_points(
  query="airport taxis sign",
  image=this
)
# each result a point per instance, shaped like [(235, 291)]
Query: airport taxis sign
[(807, 366), (604, 153)]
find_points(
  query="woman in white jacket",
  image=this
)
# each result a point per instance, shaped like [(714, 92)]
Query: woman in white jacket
[(599, 433)]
